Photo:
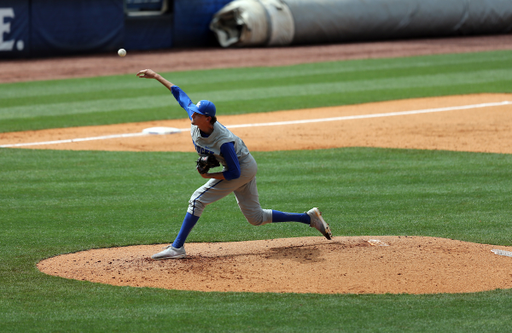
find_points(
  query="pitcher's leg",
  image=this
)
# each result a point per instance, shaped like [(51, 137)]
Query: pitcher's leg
[(186, 227), (249, 203), (278, 216), (248, 200), (210, 192)]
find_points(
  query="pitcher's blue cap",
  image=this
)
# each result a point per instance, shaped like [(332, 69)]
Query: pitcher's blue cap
[(206, 108)]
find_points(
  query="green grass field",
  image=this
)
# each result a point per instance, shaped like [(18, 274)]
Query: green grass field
[(54, 202)]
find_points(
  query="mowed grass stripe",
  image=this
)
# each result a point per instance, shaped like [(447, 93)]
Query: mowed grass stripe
[(128, 86), (262, 75), (133, 197), (255, 94), (256, 77)]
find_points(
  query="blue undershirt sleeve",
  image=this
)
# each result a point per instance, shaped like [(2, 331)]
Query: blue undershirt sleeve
[(183, 100), (229, 154)]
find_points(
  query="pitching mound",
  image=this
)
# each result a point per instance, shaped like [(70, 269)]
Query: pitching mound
[(356, 265)]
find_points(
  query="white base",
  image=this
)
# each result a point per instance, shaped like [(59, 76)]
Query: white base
[(161, 130), (502, 252)]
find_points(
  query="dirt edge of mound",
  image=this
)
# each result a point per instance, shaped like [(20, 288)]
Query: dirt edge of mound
[(345, 265)]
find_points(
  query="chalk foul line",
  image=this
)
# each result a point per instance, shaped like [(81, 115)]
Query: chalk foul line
[(278, 123)]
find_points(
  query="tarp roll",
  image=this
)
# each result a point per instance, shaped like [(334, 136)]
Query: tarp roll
[(285, 22)]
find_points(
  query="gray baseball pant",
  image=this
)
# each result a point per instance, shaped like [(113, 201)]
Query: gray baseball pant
[(244, 188)]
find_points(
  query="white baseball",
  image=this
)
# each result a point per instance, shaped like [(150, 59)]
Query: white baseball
[(121, 52)]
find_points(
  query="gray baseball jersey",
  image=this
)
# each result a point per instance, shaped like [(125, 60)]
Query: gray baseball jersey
[(211, 145)]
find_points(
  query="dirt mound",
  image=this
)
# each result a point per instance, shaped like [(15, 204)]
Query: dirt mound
[(357, 265)]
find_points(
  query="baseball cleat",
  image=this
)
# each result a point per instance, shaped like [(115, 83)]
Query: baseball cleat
[(318, 222), (170, 252)]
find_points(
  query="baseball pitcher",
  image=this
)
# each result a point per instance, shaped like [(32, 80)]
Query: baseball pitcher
[(216, 146)]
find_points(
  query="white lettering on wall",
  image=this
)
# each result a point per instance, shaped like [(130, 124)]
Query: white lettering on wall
[(5, 28)]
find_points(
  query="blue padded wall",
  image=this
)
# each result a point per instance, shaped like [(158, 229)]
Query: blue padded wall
[(148, 32), (46, 28), (191, 22), (61, 27)]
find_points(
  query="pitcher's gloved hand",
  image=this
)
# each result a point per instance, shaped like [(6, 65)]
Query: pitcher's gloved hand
[(205, 163)]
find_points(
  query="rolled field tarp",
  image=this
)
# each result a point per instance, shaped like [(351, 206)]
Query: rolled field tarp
[(285, 22)]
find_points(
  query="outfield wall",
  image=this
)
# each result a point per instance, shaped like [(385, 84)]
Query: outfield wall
[(48, 28)]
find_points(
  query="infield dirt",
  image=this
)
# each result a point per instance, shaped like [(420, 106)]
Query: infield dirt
[(349, 264)]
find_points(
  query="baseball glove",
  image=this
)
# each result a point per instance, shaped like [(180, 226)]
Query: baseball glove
[(206, 162)]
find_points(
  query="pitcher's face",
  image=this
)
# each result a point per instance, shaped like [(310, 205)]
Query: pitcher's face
[(200, 120)]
